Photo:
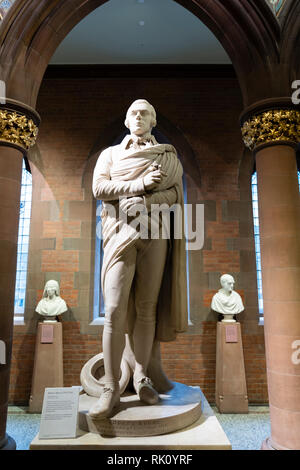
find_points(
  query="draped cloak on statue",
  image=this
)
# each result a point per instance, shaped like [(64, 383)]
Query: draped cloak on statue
[(119, 172)]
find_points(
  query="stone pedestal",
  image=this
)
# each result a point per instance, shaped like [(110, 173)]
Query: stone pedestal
[(48, 363), (205, 433), (231, 389), (177, 409)]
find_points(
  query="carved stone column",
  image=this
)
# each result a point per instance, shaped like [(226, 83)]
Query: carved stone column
[(18, 131), (272, 129)]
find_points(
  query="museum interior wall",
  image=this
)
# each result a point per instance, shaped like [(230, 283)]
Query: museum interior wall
[(80, 117)]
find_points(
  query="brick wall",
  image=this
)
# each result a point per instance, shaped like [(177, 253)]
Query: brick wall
[(190, 359), (79, 118)]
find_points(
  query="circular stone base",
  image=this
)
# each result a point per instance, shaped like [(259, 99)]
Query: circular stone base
[(177, 409)]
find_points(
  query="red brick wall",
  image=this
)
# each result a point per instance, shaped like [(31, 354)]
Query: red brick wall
[(191, 360), (79, 117)]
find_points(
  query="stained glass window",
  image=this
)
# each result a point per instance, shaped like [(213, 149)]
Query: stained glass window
[(4, 7), (257, 242), (23, 241), (98, 294), (276, 5)]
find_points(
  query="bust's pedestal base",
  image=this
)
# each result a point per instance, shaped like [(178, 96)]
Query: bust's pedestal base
[(205, 433), (48, 363), (231, 389)]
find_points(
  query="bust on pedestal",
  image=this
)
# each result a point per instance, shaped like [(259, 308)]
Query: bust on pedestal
[(227, 301), (231, 390), (48, 358), (51, 305)]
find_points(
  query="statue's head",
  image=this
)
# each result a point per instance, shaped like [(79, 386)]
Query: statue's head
[(227, 283), (51, 288), (140, 117)]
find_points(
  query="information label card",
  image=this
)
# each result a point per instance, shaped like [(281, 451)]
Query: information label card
[(59, 413), (231, 334), (47, 334)]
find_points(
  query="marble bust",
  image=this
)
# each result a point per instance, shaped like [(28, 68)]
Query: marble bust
[(226, 300), (51, 305)]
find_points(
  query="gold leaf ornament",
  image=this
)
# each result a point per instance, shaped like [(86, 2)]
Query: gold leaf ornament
[(272, 126), (17, 129)]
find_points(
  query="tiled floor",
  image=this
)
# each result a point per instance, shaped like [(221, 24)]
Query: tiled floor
[(245, 432)]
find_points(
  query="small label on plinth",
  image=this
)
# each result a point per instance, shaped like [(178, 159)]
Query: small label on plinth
[(47, 334), (60, 413), (231, 335)]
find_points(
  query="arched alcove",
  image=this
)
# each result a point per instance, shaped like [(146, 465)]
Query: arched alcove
[(165, 132), (262, 48), (248, 31)]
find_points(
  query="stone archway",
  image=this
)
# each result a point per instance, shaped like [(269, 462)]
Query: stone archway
[(261, 47), (249, 32)]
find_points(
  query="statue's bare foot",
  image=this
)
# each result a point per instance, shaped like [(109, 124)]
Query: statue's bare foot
[(146, 392), (107, 402)]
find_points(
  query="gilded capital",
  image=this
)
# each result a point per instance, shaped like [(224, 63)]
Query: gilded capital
[(273, 126), (18, 125)]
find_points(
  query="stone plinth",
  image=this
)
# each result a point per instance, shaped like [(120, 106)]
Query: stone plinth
[(205, 434), (177, 409), (231, 389), (48, 364)]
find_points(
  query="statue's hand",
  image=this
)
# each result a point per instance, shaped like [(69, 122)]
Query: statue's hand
[(132, 205), (152, 179)]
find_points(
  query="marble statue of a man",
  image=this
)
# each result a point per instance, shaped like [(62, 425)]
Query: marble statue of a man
[(226, 300), (143, 279), (51, 305)]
